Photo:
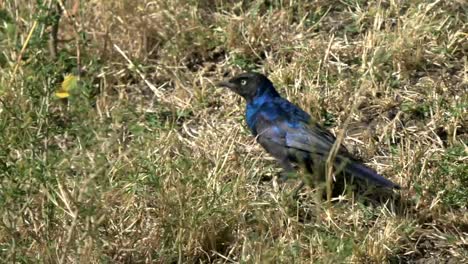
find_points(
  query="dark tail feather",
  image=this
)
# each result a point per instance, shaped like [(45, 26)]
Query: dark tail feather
[(363, 172)]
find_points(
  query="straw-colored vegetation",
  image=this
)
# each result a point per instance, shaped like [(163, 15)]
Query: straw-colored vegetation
[(143, 159)]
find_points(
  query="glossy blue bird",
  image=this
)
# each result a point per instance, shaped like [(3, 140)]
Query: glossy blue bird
[(289, 134)]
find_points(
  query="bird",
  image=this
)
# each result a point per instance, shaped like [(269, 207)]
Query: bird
[(290, 135)]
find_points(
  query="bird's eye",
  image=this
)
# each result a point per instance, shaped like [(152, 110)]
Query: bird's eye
[(243, 82)]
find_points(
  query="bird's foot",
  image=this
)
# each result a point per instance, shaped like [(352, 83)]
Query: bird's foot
[(286, 175)]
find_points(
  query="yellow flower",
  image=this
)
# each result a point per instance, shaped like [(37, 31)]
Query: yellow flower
[(69, 83)]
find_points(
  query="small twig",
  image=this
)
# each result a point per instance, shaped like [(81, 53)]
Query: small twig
[(54, 32), (150, 85), (325, 58), (75, 31), (23, 49), (336, 147)]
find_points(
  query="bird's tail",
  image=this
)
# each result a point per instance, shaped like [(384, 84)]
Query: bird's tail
[(363, 172)]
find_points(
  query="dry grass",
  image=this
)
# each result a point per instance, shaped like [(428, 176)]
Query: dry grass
[(147, 161)]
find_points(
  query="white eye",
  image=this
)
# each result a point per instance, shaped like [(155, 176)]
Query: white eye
[(243, 82)]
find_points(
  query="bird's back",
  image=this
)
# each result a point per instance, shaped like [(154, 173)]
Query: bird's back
[(275, 109), (285, 122)]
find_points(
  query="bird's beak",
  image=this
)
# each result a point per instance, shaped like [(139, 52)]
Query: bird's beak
[(226, 84)]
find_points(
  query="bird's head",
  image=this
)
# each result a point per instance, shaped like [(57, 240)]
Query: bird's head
[(248, 85)]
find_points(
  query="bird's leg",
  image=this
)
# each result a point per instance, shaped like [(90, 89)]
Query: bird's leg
[(288, 170), (297, 189)]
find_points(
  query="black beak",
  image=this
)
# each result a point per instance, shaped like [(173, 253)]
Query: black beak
[(226, 84)]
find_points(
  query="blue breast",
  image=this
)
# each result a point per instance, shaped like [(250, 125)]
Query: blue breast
[(272, 106)]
